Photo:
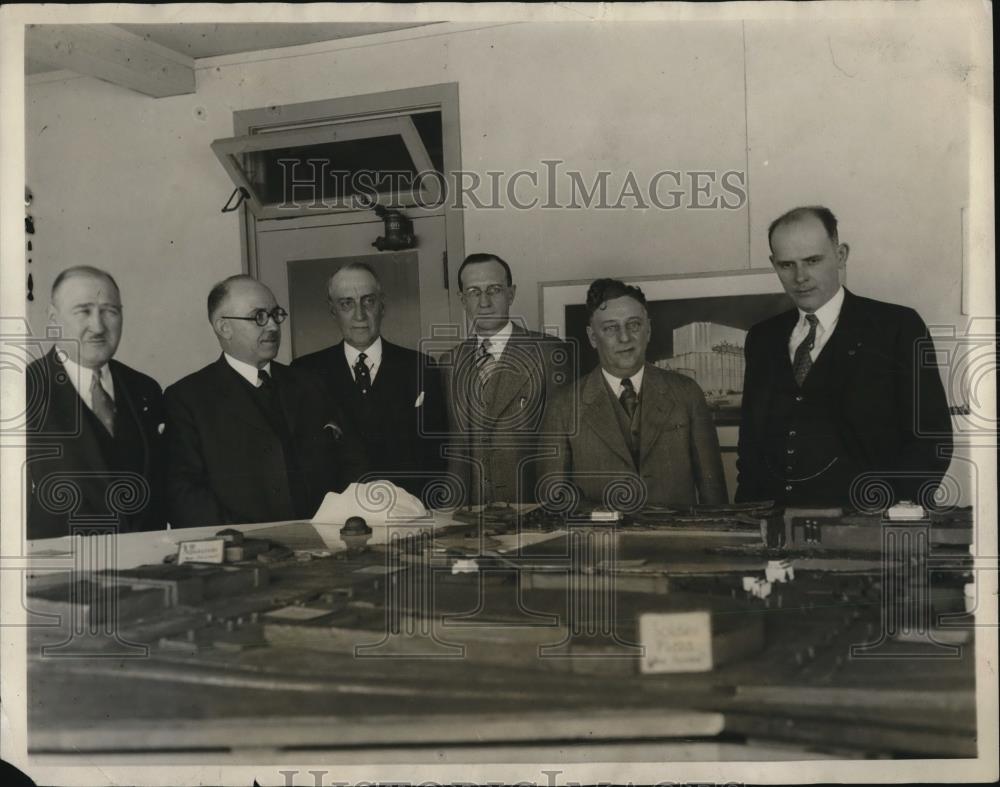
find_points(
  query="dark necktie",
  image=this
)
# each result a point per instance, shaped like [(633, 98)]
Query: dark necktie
[(630, 402), (362, 377), (629, 398), (803, 360), (297, 488), (268, 395), (102, 404)]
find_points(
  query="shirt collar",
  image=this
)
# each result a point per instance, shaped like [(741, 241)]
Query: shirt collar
[(245, 370), (616, 382), (828, 313), (373, 353), (81, 376), (498, 341)]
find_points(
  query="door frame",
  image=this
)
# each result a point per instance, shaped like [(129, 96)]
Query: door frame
[(442, 97)]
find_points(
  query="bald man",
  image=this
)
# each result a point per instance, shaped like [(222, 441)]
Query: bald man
[(249, 439), (94, 424), (842, 393), (392, 394)]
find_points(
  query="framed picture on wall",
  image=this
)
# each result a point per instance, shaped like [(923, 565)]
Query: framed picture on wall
[(699, 325)]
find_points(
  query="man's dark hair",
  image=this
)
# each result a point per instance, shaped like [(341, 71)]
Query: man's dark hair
[(604, 290), (474, 259), (82, 270), (221, 290), (825, 215)]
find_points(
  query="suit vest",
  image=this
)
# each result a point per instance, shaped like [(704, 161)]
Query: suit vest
[(806, 457), (373, 418), (273, 411), (123, 453), (629, 429)]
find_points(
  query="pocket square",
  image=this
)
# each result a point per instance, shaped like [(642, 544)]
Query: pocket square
[(420, 400)]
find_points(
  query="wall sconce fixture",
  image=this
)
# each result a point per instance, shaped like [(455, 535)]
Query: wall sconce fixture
[(398, 231)]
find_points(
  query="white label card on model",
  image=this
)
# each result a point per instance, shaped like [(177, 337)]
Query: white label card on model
[(676, 642), (205, 550)]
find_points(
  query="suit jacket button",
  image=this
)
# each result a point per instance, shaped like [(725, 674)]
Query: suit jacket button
[(798, 398), (788, 487)]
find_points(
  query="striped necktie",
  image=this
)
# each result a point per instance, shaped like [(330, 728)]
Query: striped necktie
[(803, 360), (485, 362), (101, 403)]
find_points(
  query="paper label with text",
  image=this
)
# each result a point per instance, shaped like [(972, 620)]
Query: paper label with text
[(676, 642), (207, 550)]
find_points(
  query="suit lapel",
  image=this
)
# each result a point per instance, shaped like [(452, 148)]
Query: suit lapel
[(513, 370), (845, 344), (657, 403), (127, 407), (783, 366), (337, 368), (73, 416), (289, 394), (599, 416), (465, 386), (234, 392), (389, 371)]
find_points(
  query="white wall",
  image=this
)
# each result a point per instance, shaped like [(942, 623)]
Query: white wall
[(869, 119)]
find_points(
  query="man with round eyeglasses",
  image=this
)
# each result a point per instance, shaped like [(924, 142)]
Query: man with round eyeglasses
[(249, 439), (498, 383)]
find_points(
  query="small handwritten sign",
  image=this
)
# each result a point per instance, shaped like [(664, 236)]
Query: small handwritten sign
[(205, 550), (676, 642)]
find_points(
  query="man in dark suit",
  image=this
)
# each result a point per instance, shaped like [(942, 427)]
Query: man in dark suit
[(840, 400), (630, 432), (251, 440), (94, 424), (497, 383), (393, 395)]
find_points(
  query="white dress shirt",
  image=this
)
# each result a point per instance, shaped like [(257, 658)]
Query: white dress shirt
[(82, 378), (373, 357), (827, 316), (498, 341), (247, 371), (616, 382)]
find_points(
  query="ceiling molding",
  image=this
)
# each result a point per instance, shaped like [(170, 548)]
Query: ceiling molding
[(113, 55), (430, 30)]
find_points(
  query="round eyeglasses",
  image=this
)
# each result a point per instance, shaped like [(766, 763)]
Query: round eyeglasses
[(492, 292), (261, 316)]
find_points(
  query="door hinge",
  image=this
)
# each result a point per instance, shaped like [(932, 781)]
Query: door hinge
[(444, 263)]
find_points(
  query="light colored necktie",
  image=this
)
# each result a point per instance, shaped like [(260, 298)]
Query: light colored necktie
[(803, 360), (485, 362), (102, 404)]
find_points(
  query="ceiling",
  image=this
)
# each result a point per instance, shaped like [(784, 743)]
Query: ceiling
[(212, 40)]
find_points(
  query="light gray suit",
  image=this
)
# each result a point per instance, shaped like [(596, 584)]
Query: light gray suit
[(494, 431), (679, 460)]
